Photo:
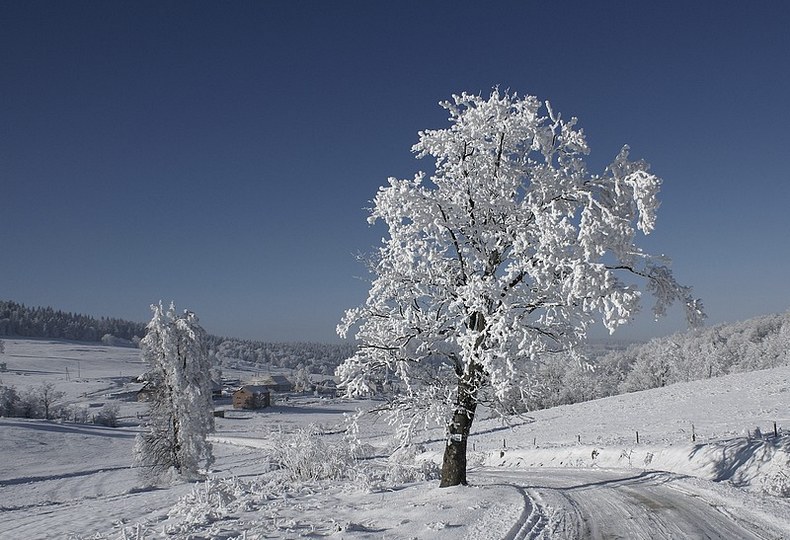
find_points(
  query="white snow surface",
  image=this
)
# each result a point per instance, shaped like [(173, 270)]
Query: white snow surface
[(568, 472)]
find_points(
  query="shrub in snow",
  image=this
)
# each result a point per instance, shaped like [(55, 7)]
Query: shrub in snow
[(307, 455), (403, 466), (9, 401), (209, 501), (219, 499), (174, 443), (108, 415), (80, 415)]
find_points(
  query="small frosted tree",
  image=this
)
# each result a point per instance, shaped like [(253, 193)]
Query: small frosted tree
[(9, 400), (181, 410), (47, 396), (301, 379), (3, 365), (507, 253)]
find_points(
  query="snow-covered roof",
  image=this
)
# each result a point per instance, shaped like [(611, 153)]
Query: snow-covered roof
[(254, 389)]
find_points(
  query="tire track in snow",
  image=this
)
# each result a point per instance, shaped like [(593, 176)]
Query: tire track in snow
[(597, 504), (34, 479), (531, 522), (536, 520)]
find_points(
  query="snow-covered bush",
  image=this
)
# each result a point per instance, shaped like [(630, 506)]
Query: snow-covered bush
[(204, 511), (210, 501), (307, 455), (404, 466), (80, 415), (108, 415), (9, 401)]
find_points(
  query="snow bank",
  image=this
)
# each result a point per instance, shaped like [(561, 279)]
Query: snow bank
[(707, 429), (754, 464)]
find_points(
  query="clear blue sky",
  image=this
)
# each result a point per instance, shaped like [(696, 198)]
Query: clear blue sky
[(222, 154)]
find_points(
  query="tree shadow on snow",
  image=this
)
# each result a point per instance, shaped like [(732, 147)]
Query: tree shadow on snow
[(737, 460), (76, 474), (78, 429)]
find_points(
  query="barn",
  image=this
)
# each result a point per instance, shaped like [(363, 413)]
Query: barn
[(251, 397), (275, 383)]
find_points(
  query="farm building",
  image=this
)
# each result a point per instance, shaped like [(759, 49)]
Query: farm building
[(275, 383), (251, 397)]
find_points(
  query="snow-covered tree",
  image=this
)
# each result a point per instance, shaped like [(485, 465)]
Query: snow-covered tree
[(301, 379), (653, 368), (40, 401), (181, 411), (508, 252), (9, 400)]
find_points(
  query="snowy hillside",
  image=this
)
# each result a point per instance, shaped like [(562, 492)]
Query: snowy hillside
[(67, 480)]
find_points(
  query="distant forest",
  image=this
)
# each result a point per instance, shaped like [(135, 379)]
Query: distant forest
[(18, 320), (321, 358), (758, 343), (45, 322)]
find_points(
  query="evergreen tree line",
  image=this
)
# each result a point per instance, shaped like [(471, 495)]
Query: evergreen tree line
[(18, 320), (45, 322), (758, 343)]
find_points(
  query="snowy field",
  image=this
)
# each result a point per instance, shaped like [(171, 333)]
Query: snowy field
[(568, 472)]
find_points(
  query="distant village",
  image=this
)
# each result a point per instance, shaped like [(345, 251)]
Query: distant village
[(257, 392)]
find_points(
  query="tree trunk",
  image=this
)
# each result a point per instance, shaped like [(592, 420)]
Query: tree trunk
[(454, 461), (176, 448)]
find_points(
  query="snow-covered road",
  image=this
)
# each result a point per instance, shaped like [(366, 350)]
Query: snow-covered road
[(610, 504)]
